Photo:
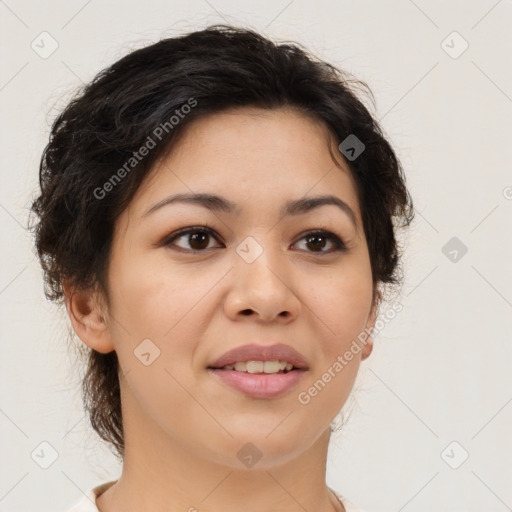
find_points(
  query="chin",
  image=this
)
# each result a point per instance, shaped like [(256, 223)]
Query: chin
[(259, 450)]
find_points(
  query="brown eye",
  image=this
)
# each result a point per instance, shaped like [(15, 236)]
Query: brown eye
[(194, 239), (198, 239), (316, 241)]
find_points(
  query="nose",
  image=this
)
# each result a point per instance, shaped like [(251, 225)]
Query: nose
[(262, 289)]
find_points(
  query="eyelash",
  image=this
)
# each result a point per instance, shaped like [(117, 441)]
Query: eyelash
[(338, 243)]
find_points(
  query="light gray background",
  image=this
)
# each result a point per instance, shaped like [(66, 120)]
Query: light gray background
[(440, 371)]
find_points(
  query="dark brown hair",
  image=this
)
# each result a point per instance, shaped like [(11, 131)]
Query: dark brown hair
[(140, 97)]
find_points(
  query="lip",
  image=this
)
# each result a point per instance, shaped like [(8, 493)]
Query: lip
[(258, 385), (254, 352)]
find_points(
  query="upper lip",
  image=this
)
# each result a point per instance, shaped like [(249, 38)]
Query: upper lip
[(254, 352)]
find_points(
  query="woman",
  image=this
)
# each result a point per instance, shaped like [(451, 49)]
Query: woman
[(218, 214)]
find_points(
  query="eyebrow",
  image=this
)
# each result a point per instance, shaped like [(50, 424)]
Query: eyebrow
[(222, 205)]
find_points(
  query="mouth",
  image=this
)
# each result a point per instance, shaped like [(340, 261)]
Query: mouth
[(249, 380), (260, 371), (259, 367)]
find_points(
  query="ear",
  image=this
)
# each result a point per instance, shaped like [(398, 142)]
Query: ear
[(370, 324), (87, 314)]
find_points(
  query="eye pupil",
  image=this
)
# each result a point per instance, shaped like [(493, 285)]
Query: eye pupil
[(199, 237), (320, 245)]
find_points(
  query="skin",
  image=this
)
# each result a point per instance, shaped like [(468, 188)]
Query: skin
[(183, 428)]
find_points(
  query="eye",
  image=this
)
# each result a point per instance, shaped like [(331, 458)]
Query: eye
[(196, 238), (317, 240)]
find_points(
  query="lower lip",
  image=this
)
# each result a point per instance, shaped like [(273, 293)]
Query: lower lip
[(259, 385)]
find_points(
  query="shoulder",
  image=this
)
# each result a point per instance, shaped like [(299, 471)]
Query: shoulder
[(88, 501), (349, 506)]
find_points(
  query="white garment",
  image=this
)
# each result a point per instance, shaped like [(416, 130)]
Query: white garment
[(88, 502)]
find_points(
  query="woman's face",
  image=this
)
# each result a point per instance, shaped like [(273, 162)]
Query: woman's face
[(254, 275)]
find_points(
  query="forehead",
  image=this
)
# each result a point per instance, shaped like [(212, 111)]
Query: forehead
[(256, 158)]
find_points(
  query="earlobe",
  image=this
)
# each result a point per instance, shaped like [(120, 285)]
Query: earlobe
[(370, 324), (88, 318), (368, 347)]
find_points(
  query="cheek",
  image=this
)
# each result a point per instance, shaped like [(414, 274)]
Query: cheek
[(340, 316), (155, 339), (157, 311), (340, 306), (150, 300)]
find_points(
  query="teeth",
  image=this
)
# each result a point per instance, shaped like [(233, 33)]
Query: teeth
[(260, 366), (255, 366)]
